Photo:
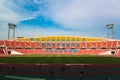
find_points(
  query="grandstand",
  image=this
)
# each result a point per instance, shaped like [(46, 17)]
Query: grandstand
[(60, 45), (40, 58)]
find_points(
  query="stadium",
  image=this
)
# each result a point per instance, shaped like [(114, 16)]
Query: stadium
[(59, 40), (61, 45), (60, 57)]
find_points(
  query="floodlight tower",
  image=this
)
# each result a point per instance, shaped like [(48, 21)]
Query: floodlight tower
[(110, 26), (11, 26)]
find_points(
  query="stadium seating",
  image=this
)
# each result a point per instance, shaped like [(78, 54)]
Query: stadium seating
[(118, 51), (104, 44), (33, 45), (25, 51), (60, 47), (77, 45), (43, 45), (85, 51), (2, 44), (38, 45), (28, 45), (96, 51), (67, 45), (88, 45), (17, 44), (8, 44), (93, 45), (109, 44), (98, 45), (80, 51), (2, 51), (83, 45), (118, 45), (2, 47), (30, 51), (114, 44), (53, 45)]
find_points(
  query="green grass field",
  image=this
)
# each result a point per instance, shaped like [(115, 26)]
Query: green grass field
[(60, 59)]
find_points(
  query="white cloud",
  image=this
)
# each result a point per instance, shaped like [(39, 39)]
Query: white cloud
[(6, 14), (13, 11), (76, 14), (79, 13)]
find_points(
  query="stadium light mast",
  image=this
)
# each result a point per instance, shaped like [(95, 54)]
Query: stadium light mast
[(110, 26), (11, 26)]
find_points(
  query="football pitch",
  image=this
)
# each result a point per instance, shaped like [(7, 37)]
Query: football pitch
[(59, 59)]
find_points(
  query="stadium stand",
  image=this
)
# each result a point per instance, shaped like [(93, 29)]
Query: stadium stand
[(32, 47), (8, 44), (28, 45), (93, 45), (118, 45), (2, 48), (38, 45), (2, 51), (77, 45), (104, 45), (83, 45), (53, 45), (98, 45), (109, 44), (118, 51), (88, 45), (2, 44), (114, 44)]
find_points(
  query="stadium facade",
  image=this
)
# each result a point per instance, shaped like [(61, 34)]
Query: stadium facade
[(60, 45)]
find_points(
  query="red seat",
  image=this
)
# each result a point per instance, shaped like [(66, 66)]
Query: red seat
[(104, 44), (2, 51), (33, 45), (8, 44), (88, 45), (18, 44), (1, 43), (13, 44), (91, 51), (83, 45), (84, 51), (118, 44), (23, 45), (80, 51), (118, 52), (98, 45), (93, 44), (114, 44), (28, 44), (109, 45)]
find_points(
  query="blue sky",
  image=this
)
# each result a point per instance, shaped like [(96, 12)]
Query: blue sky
[(59, 17)]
